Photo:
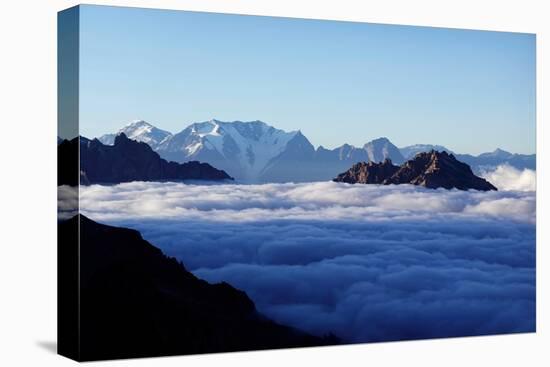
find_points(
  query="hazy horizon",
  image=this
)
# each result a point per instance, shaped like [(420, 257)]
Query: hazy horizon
[(338, 82)]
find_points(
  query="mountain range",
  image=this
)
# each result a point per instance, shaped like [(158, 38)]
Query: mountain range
[(256, 152), (429, 169), (134, 302), (124, 161)]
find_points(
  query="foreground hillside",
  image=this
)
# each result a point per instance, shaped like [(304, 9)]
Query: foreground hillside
[(137, 302)]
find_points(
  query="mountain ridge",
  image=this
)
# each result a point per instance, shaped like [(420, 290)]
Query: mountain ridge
[(429, 169), (138, 130), (257, 152), (127, 160)]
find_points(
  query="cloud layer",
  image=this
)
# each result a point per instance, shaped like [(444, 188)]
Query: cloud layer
[(308, 201), (506, 177), (368, 263)]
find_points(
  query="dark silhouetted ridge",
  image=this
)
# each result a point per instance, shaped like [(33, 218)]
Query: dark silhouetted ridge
[(137, 302), (129, 160)]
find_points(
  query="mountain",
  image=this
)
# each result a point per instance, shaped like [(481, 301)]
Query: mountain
[(137, 302), (254, 152), (380, 149), (429, 169), (496, 154), (328, 163), (344, 153), (439, 169), (244, 149), (129, 160), (410, 151), (368, 173), (481, 162), (296, 163), (488, 161), (139, 130)]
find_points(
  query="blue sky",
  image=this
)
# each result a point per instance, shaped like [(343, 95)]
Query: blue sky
[(338, 82)]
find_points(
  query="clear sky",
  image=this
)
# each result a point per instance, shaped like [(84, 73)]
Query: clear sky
[(337, 82)]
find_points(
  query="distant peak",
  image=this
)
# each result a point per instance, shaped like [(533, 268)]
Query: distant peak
[(500, 151), (378, 141), (138, 122)]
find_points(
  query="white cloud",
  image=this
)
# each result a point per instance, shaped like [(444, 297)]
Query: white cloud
[(506, 177), (366, 262), (315, 201)]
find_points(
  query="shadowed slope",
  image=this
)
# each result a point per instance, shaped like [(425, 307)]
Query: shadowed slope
[(136, 302), (128, 160)]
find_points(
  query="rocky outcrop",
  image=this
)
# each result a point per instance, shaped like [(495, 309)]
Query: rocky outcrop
[(368, 173), (137, 302), (430, 169), (128, 160)]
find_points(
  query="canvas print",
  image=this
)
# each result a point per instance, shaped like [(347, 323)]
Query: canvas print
[(234, 182)]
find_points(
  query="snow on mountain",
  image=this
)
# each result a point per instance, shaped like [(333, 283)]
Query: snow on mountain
[(242, 148), (255, 152), (141, 131), (410, 151), (380, 149)]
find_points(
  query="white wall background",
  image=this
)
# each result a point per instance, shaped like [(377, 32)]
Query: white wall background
[(28, 181)]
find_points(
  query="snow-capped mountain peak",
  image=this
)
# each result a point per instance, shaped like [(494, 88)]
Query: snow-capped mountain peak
[(254, 151), (242, 147), (203, 129), (136, 123), (139, 130), (380, 149)]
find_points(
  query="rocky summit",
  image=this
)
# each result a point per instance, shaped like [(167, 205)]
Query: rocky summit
[(368, 172), (429, 169)]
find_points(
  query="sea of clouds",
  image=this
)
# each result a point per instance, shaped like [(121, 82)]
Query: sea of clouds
[(365, 262)]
